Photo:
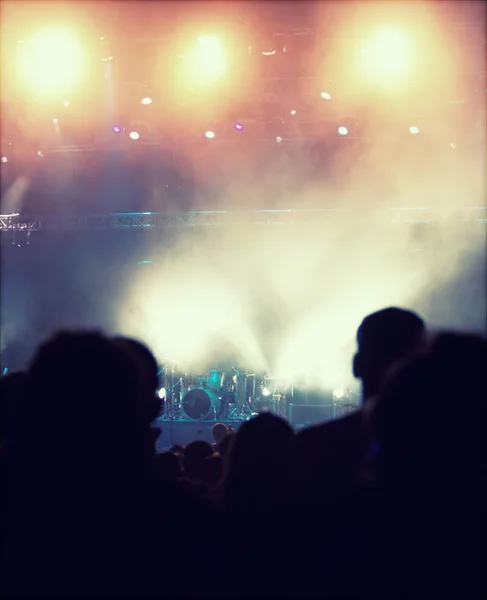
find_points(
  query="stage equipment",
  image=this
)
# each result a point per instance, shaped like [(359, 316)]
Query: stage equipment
[(201, 404), (215, 379), (275, 394)]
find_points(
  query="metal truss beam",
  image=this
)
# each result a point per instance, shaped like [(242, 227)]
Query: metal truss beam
[(205, 219)]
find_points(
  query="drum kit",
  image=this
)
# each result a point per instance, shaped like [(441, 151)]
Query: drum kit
[(221, 396)]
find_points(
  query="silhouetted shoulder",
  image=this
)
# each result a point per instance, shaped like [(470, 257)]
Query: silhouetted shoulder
[(340, 430)]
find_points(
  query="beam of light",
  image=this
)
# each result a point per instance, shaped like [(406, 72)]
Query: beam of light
[(52, 61), (13, 198)]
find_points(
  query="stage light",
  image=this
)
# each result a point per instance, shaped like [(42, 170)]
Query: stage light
[(52, 61), (325, 95), (66, 103), (55, 121), (4, 159), (386, 56), (40, 153), (278, 138), (265, 391), (133, 135), (238, 126), (161, 393), (117, 129), (453, 145), (414, 130), (293, 112), (210, 135), (342, 131), (207, 61), (146, 100)]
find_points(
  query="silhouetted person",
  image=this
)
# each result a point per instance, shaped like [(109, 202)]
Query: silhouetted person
[(212, 471), (219, 431), (90, 503), (195, 454), (429, 427), (168, 467), (329, 456), (225, 445), (255, 491)]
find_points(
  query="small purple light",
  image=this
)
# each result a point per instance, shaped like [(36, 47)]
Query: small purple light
[(238, 126), (116, 129)]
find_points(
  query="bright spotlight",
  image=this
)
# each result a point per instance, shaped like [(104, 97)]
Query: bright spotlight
[(52, 61), (55, 121), (66, 103), (146, 100), (133, 135), (387, 55), (265, 391), (40, 153), (342, 131), (414, 130), (4, 159), (278, 138), (207, 59), (161, 393), (210, 135), (238, 126), (325, 95), (293, 112)]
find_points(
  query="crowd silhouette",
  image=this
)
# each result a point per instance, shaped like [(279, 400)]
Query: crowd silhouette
[(388, 501)]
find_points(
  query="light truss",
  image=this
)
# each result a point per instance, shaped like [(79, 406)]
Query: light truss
[(220, 218)]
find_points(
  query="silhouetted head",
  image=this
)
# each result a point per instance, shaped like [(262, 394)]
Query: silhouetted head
[(168, 467), (148, 370), (259, 462), (383, 338), (429, 418), (212, 470), (84, 393), (219, 431), (194, 457)]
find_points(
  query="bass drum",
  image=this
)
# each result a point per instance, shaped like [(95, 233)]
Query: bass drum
[(199, 404)]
